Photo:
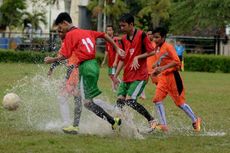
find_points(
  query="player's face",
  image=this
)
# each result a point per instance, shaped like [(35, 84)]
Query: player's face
[(125, 27), (63, 27), (109, 31), (150, 35), (158, 39), (61, 34)]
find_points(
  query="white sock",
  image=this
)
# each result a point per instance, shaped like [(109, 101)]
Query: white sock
[(187, 109), (64, 109), (161, 112)]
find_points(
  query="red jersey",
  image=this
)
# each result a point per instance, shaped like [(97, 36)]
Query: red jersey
[(72, 60), (82, 43), (166, 54), (111, 52), (138, 45)]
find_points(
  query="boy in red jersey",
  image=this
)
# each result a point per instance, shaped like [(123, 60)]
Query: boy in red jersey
[(112, 55), (82, 43), (69, 88), (169, 80), (137, 47)]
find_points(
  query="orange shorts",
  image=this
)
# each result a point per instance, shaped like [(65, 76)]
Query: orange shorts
[(171, 84), (71, 83)]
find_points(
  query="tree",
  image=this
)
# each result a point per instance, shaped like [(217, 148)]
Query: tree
[(196, 17), (154, 13), (35, 18), (113, 10), (11, 13)]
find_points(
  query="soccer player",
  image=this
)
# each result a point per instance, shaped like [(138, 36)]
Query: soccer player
[(69, 88), (112, 55), (137, 47), (169, 81), (180, 50), (151, 60), (82, 43)]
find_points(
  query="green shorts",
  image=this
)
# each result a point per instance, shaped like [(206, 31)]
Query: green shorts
[(132, 89), (89, 74), (111, 70)]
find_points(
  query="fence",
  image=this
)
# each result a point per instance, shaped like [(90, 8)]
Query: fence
[(51, 42), (33, 42), (204, 45)]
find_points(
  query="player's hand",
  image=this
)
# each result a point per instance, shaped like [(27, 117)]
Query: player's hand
[(157, 70), (121, 52), (116, 82), (135, 65), (114, 65), (49, 60)]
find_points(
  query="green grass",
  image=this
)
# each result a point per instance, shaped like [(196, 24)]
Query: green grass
[(207, 93)]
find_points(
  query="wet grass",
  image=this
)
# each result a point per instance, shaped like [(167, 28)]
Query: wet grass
[(207, 93)]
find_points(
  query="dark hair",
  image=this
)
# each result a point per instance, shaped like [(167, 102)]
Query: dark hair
[(109, 25), (163, 32), (127, 18), (64, 16)]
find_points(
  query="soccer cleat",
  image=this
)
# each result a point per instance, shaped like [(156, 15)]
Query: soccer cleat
[(71, 129), (117, 123), (163, 128), (197, 125), (152, 125)]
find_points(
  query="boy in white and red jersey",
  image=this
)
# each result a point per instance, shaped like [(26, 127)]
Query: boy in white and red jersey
[(82, 43), (111, 53), (137, 47)]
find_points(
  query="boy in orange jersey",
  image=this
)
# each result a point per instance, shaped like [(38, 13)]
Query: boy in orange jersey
[(69, 88), (112, 55), (169, 80)]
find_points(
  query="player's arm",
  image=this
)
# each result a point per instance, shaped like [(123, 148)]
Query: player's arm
[(115, 61), (118, 70), (174, 63), (49, 60), (105, 56), (52, 67), (149, 51), (118, 50)]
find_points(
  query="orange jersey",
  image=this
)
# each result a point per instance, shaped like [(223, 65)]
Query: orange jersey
[(169, 81), (165, 55)]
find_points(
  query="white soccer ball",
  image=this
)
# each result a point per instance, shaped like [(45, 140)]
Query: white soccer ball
[(11, 101)]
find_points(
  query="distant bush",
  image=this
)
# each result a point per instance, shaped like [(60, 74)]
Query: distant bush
[(207, 63), (193, 62), (24, 57), (31, 56)]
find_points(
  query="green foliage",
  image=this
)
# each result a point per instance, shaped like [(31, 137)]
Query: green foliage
[(11, 12), (189, 15), (207, 63), (31, 56), (24, 57), (156, 12), (35, 18)]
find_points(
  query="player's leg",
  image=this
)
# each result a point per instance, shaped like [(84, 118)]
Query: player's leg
[(178, 95), (64, 109), (160, 94), (134, 90), (74, 90), (89, 74)]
